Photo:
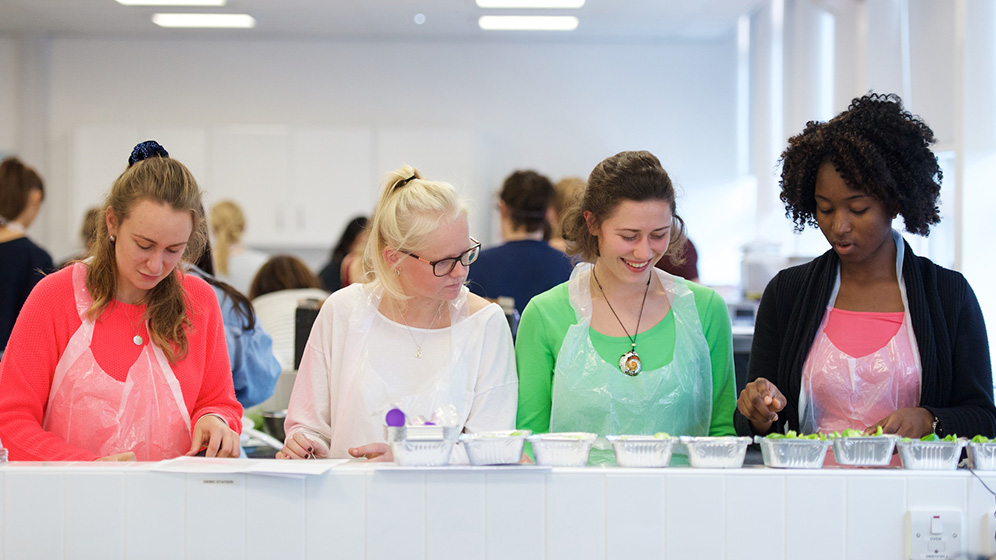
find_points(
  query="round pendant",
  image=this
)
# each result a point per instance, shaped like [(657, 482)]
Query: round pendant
[(630, 363), (137, 340)]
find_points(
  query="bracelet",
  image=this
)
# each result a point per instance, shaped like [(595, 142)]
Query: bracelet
[(933, 425)]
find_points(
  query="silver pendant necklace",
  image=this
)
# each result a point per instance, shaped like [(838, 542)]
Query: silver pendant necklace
[(137, 339), (404, 321), (629, 362)]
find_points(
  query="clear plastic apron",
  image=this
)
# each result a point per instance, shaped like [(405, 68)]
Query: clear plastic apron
[(88, 408), (840, 391), (592, 395), (372, 383)]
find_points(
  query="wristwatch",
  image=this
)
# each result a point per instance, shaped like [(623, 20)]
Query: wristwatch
[(933, 425)]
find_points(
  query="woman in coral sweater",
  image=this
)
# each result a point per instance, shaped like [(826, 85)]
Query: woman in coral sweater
[(123, 356)]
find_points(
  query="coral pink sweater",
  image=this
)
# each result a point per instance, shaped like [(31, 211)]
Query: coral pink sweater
[(46, 323)]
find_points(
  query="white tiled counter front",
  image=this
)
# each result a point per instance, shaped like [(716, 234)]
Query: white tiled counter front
[(354, 511)]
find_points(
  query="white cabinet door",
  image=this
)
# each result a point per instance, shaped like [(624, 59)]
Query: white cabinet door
[(334, 181), (251, 166)]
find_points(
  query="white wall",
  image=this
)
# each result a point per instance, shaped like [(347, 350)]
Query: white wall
[(558, 108)]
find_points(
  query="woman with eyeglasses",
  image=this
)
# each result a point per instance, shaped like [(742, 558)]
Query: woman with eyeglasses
[(623, 348), (413, 338)]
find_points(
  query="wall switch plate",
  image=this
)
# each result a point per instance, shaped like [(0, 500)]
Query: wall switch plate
[(935, 534)]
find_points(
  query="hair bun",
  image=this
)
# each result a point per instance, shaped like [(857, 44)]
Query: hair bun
[(145, 150)]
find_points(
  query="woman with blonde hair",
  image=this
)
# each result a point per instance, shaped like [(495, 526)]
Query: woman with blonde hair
[(123, 356), (234, 263), (414, 337), (24, 262)]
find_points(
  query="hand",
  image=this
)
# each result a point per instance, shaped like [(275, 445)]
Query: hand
[(126, 456), (760, 402), (300, 446), (213, 435), (375, 452), (906, 422)]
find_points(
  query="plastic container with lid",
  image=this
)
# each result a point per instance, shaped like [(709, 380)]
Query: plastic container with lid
[(642, 451), (495, 448), (935, 455), (725, 452), (562, 449)]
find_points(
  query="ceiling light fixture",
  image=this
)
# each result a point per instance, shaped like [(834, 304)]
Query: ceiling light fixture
[(171, 2), (530, 3), (234, 21), (528, 23)]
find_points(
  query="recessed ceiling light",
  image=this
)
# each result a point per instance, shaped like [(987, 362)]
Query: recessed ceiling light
[(172, 2), (528, 23), (530, 3), (243, 21)]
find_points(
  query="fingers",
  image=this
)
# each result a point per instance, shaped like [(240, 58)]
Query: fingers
[(377, 452), (760, 401), (298, 446)]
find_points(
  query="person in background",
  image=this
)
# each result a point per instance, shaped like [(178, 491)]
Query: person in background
[(566, 193), (524, 265), (624, 348), (234, 263), (345, 255), (255, 369), (24, 262), (868, 334), (88, 234), (123, 356), (414, 337), (276, 291), (683, 263)]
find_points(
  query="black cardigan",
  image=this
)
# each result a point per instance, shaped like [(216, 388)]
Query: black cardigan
[(956, 382)]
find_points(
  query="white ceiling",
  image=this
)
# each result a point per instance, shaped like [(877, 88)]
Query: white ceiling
[(600, 20)]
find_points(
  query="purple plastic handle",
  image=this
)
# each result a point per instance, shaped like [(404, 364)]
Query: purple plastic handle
[(395, 418)]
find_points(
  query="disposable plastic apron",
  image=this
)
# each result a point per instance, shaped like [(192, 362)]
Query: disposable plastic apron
[(88, 408), (370, 386), (592, 395), (840, 391)]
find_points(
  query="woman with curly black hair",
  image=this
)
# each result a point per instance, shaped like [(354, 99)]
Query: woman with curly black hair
[(868, 334)]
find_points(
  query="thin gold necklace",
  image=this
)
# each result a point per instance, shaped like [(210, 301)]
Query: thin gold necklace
[(629, 362), (404, 321)]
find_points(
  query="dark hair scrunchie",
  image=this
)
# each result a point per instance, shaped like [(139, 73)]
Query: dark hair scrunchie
[(145, 150)]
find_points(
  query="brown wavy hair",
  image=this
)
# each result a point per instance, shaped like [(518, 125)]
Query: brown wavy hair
[(161, 180), (636, 176)]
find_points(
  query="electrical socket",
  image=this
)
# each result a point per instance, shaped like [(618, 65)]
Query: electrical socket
[(935, 534)]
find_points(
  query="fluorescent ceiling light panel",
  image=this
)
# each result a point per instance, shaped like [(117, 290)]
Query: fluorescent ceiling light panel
[(172, 2), (241, 21), (530, 3), (528, 23)]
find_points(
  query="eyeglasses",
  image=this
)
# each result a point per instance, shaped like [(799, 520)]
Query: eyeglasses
[(443, 267)]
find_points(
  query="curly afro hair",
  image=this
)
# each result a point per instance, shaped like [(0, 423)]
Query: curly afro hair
[(877, 148)]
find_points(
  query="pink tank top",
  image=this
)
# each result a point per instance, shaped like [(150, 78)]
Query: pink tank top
[(859, 333)]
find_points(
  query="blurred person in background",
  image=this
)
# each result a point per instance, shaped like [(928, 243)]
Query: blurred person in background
[(234, 263), (276, 292), (24, 262), (344, 267), (524, 264)]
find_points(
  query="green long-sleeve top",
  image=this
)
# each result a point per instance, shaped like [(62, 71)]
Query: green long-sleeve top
[(544, 324)]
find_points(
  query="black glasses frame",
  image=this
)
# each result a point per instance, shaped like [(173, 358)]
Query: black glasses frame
[(465, 258)]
